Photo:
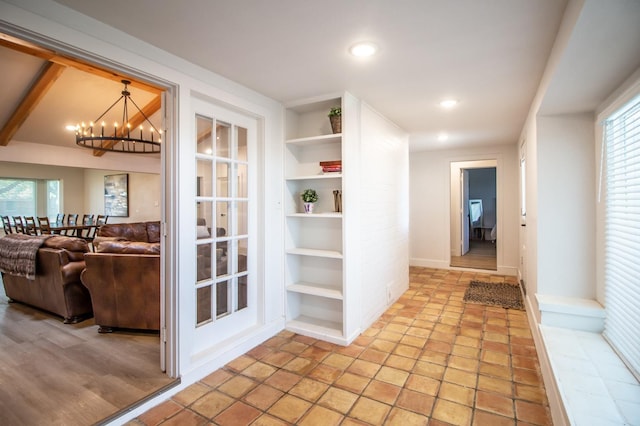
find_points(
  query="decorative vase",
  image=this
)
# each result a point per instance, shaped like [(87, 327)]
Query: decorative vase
[(336, 123), (308, 208), (337, 200)]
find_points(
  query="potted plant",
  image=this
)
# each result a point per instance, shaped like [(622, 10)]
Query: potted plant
[(309, 197), (335, 117)]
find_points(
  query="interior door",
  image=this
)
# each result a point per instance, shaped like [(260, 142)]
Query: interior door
[(226, 293), (464, 209)]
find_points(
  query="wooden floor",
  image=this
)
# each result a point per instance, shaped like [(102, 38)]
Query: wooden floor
[(481, 255), (61, 374)]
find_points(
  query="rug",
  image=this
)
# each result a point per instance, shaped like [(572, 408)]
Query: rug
[(507, 296)]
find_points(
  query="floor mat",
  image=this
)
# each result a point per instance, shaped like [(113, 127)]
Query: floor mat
[(495, 294)]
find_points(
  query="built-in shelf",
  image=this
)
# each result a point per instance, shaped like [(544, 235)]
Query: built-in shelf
[(315, 290), (312, 140), (317, 327), (315, 177), (332, 254), (326, 215)]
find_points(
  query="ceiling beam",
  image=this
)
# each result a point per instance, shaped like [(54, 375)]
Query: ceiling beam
[(40, 87), (51, 56), (148, 110)]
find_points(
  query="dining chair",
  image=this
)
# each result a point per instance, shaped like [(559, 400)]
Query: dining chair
[(17, 222), (100, 220), (6, 224), (60, 219), (45, 225), (30, 226), (72, 220)]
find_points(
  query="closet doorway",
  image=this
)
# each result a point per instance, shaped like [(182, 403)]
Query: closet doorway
[(474, 227)]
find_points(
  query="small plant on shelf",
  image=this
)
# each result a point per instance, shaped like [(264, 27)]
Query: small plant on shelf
[(335, 117), (309, 196)]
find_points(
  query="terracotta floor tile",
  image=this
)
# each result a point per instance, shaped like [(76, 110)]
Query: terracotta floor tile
[(456, 393), (415, 401), (338, 399), (160, 412), (496, 385), (400, 362), (383, 392), (407, 351), (532, 413), (259, 371), (496, 337), (383, 345), (325, 373), (398, 328), (452, 412), (294, 347), (238, 414), (374, 355), (300, 365), (496, 347), (495, 357), (217, 378), (338, 361), (283, 380), (418, 332), (269, 420), (314, 353), (529, 377), (289, 408), (190, 394), (237, 386), (240, 363), (400, 417), (443, 337), (320, 416), (523, 350), (263, 397), (530, 393), (186, 418), (429, 369), (309, 389), (392, 375), (352, 382), (467, 341), (416, 342), (260, 352), (212, 404), (352, 350), (494, 403), (495, 370), (437, 346), (528, 363), (364, 368), (278, 359), (434, 357), (482, 418), (423, 384), (461, 363), (370, 411), (459, 377)]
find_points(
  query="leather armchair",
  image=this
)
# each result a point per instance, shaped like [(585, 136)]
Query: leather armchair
[(123, 278)]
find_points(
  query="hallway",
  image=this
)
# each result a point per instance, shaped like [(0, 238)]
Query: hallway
[(430, 359)]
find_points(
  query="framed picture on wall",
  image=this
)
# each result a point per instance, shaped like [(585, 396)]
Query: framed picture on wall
[(116, 195)]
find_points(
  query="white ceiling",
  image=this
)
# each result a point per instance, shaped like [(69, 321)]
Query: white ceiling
[(489, 54)]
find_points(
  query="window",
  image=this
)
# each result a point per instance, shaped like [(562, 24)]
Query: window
[(29, 197), (622, 232)]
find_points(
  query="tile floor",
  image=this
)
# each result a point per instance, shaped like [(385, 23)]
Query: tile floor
[(430, 359)]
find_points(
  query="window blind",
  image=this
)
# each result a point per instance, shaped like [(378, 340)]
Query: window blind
[(622, 233)]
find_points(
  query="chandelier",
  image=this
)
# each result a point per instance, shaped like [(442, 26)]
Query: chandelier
[(120, 138)]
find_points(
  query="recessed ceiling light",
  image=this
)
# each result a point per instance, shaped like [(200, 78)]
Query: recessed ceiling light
[(443, 136), (363, 49), (448, 103)]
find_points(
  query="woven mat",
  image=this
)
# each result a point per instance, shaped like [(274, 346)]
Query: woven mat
[(494, 294)]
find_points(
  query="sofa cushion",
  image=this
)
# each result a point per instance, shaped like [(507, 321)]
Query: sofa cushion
[(75, 247), (153, 232), (128, 247), (130, 231)]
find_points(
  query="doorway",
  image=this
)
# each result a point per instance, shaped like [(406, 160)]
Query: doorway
[(474, 236)]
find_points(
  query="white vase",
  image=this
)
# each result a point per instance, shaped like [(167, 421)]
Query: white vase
[(308, 207)]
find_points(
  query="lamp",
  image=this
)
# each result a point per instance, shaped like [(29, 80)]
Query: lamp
[(123, 139)]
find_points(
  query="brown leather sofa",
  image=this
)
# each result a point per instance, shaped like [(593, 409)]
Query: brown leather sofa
[(57, 287), (123, 276)]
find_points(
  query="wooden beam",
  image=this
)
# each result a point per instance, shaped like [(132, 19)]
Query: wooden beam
[(49, 55), (47, 77), (148, 110)]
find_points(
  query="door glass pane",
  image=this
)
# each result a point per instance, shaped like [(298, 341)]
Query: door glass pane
[(242, 292), (204, 213), (204, 173), (222, 259), (222, 218), (242, 181), (222, 179), (242, 217), (242, 255), (241, 134), (204, 135), (223, 140), (222, 298), (203, 261), (203, 311)]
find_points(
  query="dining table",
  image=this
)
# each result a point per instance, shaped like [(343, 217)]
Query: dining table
[(76, 230)]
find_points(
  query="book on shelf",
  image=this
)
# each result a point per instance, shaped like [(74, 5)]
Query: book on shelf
[(332, 169), (331, 163)]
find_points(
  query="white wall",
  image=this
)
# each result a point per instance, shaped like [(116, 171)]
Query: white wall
[(384, 217), (566, 206), (429, 196), (144, 195)]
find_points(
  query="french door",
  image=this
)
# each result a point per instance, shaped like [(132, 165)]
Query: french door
[(225, 168)]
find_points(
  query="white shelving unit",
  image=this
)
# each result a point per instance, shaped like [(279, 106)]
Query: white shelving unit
[(314, 243)]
